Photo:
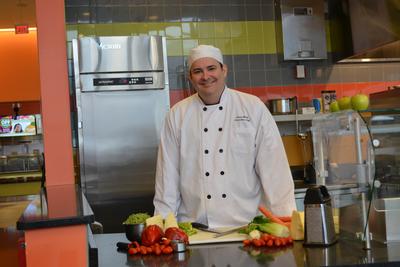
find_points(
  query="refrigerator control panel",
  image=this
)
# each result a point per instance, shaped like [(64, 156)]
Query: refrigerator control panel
[(117, 81), (122, 81)]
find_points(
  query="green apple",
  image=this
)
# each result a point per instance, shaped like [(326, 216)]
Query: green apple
[(344, 103), (360, 102), (334, 106)]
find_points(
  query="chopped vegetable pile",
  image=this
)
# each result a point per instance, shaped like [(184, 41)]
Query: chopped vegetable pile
[(136, 218), (265, 225), (187, 228)]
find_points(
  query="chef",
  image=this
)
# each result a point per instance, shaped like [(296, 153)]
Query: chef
[(220, 153)]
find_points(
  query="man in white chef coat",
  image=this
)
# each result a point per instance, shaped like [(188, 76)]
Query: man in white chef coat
[(220, 154)]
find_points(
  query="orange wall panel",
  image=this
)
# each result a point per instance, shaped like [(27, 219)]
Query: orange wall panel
[(19, 70), (65, 246)]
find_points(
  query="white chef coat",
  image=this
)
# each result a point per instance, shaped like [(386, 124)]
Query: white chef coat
[(217, 163)]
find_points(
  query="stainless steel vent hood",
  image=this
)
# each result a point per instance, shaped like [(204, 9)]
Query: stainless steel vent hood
[(300, 29), (375, 30)]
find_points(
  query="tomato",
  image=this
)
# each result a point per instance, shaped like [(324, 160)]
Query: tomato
[(174, 233), (151, 235)]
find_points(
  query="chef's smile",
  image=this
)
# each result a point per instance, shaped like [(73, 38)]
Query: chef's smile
[(207, 75)]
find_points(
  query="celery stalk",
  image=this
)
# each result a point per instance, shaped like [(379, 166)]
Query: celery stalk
[(275, 229)]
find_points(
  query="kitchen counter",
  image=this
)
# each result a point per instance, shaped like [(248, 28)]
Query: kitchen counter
[(60, 214), (346, 252), (55, 206)]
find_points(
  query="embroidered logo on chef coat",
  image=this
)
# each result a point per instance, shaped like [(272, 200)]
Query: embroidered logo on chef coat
[(242, 118)]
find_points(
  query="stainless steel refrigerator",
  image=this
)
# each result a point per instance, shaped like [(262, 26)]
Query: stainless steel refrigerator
[(122, 97)]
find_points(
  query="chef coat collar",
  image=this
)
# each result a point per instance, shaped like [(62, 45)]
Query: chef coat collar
[(222, 99)]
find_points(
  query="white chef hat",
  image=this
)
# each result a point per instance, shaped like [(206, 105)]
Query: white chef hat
[(202, 51)]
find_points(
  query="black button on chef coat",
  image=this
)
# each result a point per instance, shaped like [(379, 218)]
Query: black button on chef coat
[(221, 150), (209, 196)]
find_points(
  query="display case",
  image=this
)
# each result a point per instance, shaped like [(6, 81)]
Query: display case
[(361, 153), (21, 155), (343, 153), (385, 211), (344, 162)]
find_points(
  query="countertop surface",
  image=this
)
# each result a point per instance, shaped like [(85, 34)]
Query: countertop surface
[(60, 205), (346, 252)]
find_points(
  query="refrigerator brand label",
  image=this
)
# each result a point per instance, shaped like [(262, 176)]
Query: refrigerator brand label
[(122, 81), (109, 46)]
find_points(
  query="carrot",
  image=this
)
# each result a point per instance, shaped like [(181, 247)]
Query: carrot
[(285, 218), (271, 216)]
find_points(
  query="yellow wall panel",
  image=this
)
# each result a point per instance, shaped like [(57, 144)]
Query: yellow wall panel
[(238, 29), (190, 30), (173, 31), (225, 44), (254, 29), (124, 29), (240, 46), (105, 29), (222, 30), (206, 30), (269, 37), (174, 47), (207, 41), (189, 44), (233, 38), (87, 29)]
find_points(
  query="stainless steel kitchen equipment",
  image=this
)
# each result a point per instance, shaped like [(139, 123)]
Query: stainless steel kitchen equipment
[(318, 219), (344, 158), (283, 105), (122, 97), (388, 99), (301, 33), (385, 211), (380, 43)]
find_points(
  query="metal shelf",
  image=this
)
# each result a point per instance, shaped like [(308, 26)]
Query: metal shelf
[(294, 117)]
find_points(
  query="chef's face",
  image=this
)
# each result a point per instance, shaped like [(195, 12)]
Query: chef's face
[(207, 76)]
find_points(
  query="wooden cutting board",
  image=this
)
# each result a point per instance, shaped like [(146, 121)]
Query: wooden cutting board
[(202, 237)]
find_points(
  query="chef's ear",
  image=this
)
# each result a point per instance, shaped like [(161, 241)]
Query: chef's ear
[(190, 84), (224, 69)]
